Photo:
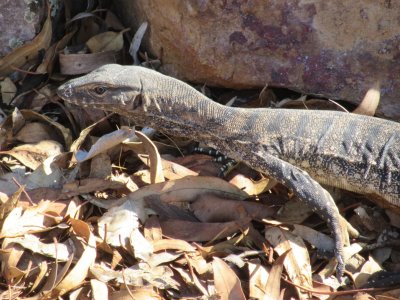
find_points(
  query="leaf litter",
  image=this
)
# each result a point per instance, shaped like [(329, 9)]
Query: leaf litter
[(103, 211)]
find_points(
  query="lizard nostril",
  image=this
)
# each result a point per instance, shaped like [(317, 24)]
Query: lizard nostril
[(65, 91)]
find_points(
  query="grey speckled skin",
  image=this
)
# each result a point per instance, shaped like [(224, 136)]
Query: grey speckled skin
[(298, 148)]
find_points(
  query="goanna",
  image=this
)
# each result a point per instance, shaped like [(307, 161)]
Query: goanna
[(299, 148)]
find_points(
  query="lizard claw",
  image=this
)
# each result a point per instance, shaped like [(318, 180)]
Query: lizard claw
[(340, 266)]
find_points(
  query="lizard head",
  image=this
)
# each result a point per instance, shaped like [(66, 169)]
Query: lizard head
[(110, 87)]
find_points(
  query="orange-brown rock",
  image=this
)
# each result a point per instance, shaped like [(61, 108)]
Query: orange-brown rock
[(337, 49)]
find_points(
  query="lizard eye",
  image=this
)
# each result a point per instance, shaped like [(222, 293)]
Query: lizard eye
[(100, 90)]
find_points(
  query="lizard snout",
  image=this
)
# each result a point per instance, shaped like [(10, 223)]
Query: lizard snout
[(65, 91)]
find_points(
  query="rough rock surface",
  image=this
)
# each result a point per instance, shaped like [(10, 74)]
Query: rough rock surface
[(338, 49), (20, 21)]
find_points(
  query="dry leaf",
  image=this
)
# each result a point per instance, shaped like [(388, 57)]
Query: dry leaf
[(99, 289), (156, 170), (370, 102), (34, 132), (250, 186), (273, 287), (106, 41), (142, 248), (79, 272), (75, 64), (33, 155), (258, 276), (8, 90), (61, 251), (172, 244), (227, 284), (116, 225), (210, 208), (195, 231), (30, 220), (103, 144), (297, 262), (188, 189)]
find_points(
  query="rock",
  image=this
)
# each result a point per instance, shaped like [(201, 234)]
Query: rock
[(20, 21), (337, 49)]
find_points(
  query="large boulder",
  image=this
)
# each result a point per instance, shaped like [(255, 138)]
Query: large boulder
[(20, 21), (338, 49)]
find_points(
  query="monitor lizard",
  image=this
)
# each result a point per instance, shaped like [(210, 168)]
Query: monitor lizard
[(299, 148)]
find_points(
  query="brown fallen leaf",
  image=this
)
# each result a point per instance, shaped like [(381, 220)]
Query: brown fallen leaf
[(75, 64), (227, 284), (116, 225), (172, 244), (258, 276), (273, 286), (33, 155), (89, 185), (199, 232), (250, 186), (19, 118), (80, 270), (35, 132), (137, 293), (154, 162), (188, 189), (297, 262), (211, 208), (8, 90), (107, 41)]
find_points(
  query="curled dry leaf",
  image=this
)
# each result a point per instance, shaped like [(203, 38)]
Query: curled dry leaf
[(89, 185), (173, 170), (156, 169), (370, 102), (19, 118), (136, 41), (172, 244), (103, 144), (250, 186), (227, 284)]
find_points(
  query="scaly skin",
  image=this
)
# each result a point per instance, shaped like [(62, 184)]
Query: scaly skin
[(298, 148)]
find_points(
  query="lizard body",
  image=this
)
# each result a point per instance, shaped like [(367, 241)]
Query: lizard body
[(298, 148)]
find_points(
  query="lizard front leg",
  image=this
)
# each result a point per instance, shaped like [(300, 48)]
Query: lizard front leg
[(307, 190)]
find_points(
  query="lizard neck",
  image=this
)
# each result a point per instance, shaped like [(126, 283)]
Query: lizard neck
[(199, 111), (180, 110)]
